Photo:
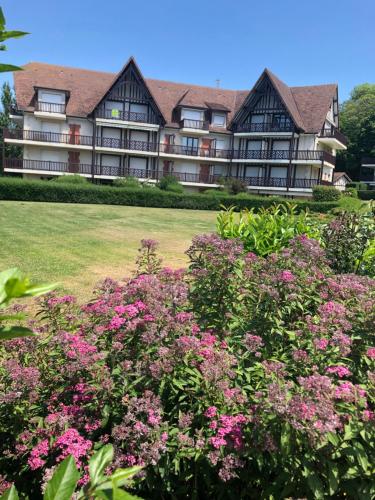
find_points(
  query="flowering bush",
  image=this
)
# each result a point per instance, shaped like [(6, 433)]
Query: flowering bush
[(242, 376)]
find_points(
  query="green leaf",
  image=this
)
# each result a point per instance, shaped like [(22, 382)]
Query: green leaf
[(99, 462), (12, 332), (333, 478), (4, 68), (11, 493), (63, 482), (315, 485), (120, 477)]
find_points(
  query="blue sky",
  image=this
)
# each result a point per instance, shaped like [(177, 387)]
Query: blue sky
[(199, 41)]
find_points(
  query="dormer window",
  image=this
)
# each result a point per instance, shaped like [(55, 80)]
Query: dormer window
[(50, 101), (218, 119)]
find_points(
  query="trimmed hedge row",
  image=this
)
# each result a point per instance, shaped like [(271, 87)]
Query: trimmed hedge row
[(47, 191), (367, 195), (326, 193)]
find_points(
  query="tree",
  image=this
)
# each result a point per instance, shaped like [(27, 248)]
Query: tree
[(8, 105), (358, 124), (6, 35)]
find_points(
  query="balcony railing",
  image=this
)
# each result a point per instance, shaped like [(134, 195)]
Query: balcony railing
[(40, 136), (368, 161), (117, 171), (174, 149), (110, 142), (283, 155), (195, 124), (334, 133), (50, 107), (264, 127), (128, 116), (47, 166)]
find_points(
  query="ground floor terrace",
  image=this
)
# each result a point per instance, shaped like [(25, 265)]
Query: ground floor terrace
[(268, 178)]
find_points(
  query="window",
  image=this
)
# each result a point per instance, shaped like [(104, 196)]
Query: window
[(281, 121), (140, 109), (52, 97), (113, 109), (218, 119), (191, 114), (190, 142)]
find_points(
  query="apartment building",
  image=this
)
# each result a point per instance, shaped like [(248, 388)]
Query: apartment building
[(276, 138)]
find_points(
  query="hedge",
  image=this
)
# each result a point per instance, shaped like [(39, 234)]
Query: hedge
[(367, 195), (360, 186), (47, 191), (326, 193)]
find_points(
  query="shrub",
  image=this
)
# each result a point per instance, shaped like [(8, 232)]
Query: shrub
[(215, 192), (170, 183), (265, 392), (127, 182), (367, 195), (351, 192), (348, 240), (326, 193), (27, 190), (70, 179), (267, 231), (359, 186), (235, 186)]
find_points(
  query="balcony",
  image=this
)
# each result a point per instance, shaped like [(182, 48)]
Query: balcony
[(264, 129), (18, 136), (134, 146), (210, 153), (333, 138), (283, 156), (195, 127), (69, 141), (56, 111), (56, 168), (126, 118), (368, 162)]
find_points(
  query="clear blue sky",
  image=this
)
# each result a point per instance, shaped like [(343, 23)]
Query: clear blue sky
[(198, 41)]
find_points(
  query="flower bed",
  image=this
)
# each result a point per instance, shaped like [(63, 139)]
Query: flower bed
[(241, 376)]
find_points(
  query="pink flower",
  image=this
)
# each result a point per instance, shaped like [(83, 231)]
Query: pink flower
[(340, 371), (116, 322), (370, 353), (34, 461), (321, 344), (210, 412), (72, 443), (287, 277), (217, 442)]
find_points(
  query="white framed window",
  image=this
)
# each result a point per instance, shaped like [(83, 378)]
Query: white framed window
[(218, 119), (51, 97), (191, 114)]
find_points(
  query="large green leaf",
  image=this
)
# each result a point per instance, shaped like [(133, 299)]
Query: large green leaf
[(63, 482), (12, 332), (99, 462), (10, 494), (120, 477)]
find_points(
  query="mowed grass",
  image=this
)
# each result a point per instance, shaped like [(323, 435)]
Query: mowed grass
[(78, 245)]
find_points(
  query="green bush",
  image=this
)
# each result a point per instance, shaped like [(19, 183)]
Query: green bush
[(269, 230), (351, 192), (128, 182), (326, 193), (359, 186), (170, 183), (70, 179), (367, 195), (30, 190), (235, 186), (215, 192)]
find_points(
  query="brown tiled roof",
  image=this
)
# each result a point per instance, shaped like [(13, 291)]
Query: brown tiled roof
[(307, 105), (313, 103)]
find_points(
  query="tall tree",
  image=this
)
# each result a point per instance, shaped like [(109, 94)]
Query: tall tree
[(8, 107), (358, 124)]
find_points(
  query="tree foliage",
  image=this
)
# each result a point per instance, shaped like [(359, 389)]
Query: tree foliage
[(6, 35), (358, 124)]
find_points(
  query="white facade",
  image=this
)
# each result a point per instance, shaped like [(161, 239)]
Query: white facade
[(261, 143)]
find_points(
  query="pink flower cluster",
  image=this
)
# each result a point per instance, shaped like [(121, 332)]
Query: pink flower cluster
[(228, 430), (72, 443), (340, 371)]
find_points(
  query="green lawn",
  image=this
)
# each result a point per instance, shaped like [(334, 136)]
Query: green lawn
[(77, 245)]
